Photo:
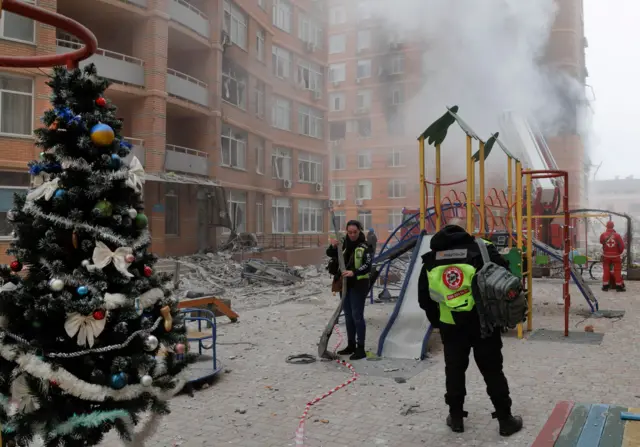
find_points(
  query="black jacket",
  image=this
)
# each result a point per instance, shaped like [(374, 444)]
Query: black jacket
[(349, 259), (450, 238)]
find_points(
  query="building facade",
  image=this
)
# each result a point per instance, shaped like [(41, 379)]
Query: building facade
[(212, 93)]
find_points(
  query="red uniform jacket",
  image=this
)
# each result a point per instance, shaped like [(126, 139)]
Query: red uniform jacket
[(612, 244)]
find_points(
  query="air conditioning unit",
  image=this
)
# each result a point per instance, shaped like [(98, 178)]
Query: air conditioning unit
[(318, 187), (317, 94), (225, 39), (359, 202), (361, 110), (310, 47), (287, 184)]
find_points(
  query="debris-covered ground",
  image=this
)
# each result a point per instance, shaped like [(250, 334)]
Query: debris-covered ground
[(249, 284)]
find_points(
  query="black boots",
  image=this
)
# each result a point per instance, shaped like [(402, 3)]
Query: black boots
[(456, 423), (621, 288), (359, 353), (350, 349), (605, 288), (510, 425)]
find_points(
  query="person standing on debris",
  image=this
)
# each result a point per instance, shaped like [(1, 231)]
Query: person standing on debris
[(372, 240), (612, 249), (358, 257), (449, 271)]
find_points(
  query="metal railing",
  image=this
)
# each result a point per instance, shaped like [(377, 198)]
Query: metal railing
[(134, 141), (186, 77), (192, 8), (292, 241), (73, 44), (186, 150)]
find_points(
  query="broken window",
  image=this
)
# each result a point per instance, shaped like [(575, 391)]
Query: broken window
[(234, 84), (338, 130), (364, 127)]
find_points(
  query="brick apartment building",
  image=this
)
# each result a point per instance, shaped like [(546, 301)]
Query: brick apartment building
[(212, 93), (374, 162)]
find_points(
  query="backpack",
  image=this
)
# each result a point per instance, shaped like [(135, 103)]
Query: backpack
[(502, 302), (333, 267)]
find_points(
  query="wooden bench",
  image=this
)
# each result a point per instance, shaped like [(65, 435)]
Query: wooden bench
[(589, 425), (218, 305)]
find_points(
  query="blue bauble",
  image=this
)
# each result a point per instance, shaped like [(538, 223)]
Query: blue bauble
[(118, 381), (125, 144), (102, 135), (116, 161), (59, 194), (35, 170), (82, 290)]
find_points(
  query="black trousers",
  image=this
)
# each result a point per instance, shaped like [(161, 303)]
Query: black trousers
[(458, 340)]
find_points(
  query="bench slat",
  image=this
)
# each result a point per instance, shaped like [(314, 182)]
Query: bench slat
[(593, 426), (632, 431), (574, 425), (552, 428), (613, 428)]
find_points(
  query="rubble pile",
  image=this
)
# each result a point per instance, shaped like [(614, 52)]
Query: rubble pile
[(250, 283)]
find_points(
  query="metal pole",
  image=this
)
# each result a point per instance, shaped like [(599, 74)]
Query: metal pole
[(530, 235), (481, 190), (436, 195), (423, 193), (518, 207), (509, 203), (567, 270), (469, 205)]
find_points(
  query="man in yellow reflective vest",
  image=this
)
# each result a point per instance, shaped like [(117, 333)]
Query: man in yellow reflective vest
[(446, 290), (357, 257)]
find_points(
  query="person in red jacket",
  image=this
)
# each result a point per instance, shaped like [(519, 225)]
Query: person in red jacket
[(612, 248)]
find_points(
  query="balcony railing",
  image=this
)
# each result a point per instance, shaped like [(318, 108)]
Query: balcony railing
[(188, 15), (137, 149), (292, 241), (187, 87), (114, 66), (185, 159)]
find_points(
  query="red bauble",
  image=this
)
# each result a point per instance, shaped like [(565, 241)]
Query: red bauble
[(147, 271), (15, 266), (101, 102), (53, 382), (99, 314)]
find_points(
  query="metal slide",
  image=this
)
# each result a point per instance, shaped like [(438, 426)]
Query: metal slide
[(586, 291), (407, 331)]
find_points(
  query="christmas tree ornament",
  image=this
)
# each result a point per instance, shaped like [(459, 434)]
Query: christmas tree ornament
[(104, 208), (59, 194), (74, 239), (11, 215), (54, 125), (116, 161), (85, 263), (102, 257), (87, 327), (101, 102), (135, 180), (168, 320), (99, 314), (129, 258), (133, 213), (118, 381), (35, 170), (147, 271), (102, 135), (56, 284), (137, 305), (151, 343), (179, 350), (141, 221), (82, 291), (46, 190), (125, 145), (146, 380), (15, 266), (41, 155)]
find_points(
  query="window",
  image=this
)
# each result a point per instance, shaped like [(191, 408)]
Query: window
[(364, 11), (235, 24), (395, 219), (337, 102), (364, 39), (365, 219), (281, 164), (10, 183), (364, 160), (281, 215), (397, 189), (309, 168), (364, 127), (337, 44), (310, 76), (363, 69), (281, 113), (340, 221), (16, 104), (259, 98), (238, 210), (259, 151), (310, 31), (281, 59), (395, 123), (397, 95), (17, 27), (338, 190), (259, 213), (397, 64), (338, 161), (363, 99), (260, 44), (363, 191), (234, 84), (338, 15), (282, 15), (171, 214), (261, 3), (234, 147), (310, 122), (310, 216), (337, 72), (395, 158), (338, 130)]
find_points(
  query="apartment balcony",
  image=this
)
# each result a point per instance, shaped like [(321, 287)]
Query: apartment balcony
[(187, 87), (111, 65), (137, 150), (188, 15), (187, 160)]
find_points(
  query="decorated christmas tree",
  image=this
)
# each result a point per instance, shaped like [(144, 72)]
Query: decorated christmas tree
[(90, 337)]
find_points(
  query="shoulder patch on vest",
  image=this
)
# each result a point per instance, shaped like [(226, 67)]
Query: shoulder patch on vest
[(451, 254)]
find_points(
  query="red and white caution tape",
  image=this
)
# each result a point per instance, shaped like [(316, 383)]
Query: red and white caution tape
[(354, 377)]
